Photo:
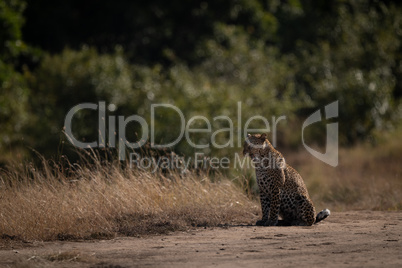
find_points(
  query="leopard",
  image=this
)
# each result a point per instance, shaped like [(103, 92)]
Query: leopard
[(283, 193)]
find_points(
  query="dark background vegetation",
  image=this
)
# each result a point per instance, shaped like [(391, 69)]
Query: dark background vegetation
[(276, 57)]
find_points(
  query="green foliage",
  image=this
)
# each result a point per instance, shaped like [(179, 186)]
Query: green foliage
[(11, 21), (13, 102), (70, 78), (276, 58), (237, 69), (359, 67), (151, 32), (13, 89)]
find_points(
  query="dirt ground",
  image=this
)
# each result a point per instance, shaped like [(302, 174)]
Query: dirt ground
[(352, 239)]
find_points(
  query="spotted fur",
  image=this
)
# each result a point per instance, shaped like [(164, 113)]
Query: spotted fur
[(282, 189)]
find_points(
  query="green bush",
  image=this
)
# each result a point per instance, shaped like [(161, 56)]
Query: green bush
[(277, 59), (70, 78)]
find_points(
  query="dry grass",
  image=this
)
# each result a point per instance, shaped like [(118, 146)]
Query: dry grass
[(101, 201), (368, 177)]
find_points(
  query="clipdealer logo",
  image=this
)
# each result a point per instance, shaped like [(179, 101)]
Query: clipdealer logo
[(116, 137), (332, 144)]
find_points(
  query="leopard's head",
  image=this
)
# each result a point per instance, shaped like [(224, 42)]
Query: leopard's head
[(255, 145)]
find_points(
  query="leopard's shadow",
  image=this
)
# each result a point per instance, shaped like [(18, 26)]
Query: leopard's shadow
[(281, 223)]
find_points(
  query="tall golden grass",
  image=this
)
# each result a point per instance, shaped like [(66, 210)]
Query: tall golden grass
[(100, 201), (368, 177)]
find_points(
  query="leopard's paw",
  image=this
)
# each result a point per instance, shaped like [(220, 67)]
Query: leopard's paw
[(271, 223)]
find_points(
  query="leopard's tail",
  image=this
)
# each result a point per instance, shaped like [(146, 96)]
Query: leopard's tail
[(322, 215)]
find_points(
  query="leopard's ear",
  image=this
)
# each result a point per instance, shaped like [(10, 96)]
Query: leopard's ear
[(248, 135)]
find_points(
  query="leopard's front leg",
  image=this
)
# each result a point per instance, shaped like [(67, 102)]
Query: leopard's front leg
[(265, 204), (275, 198), (275, 203)]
